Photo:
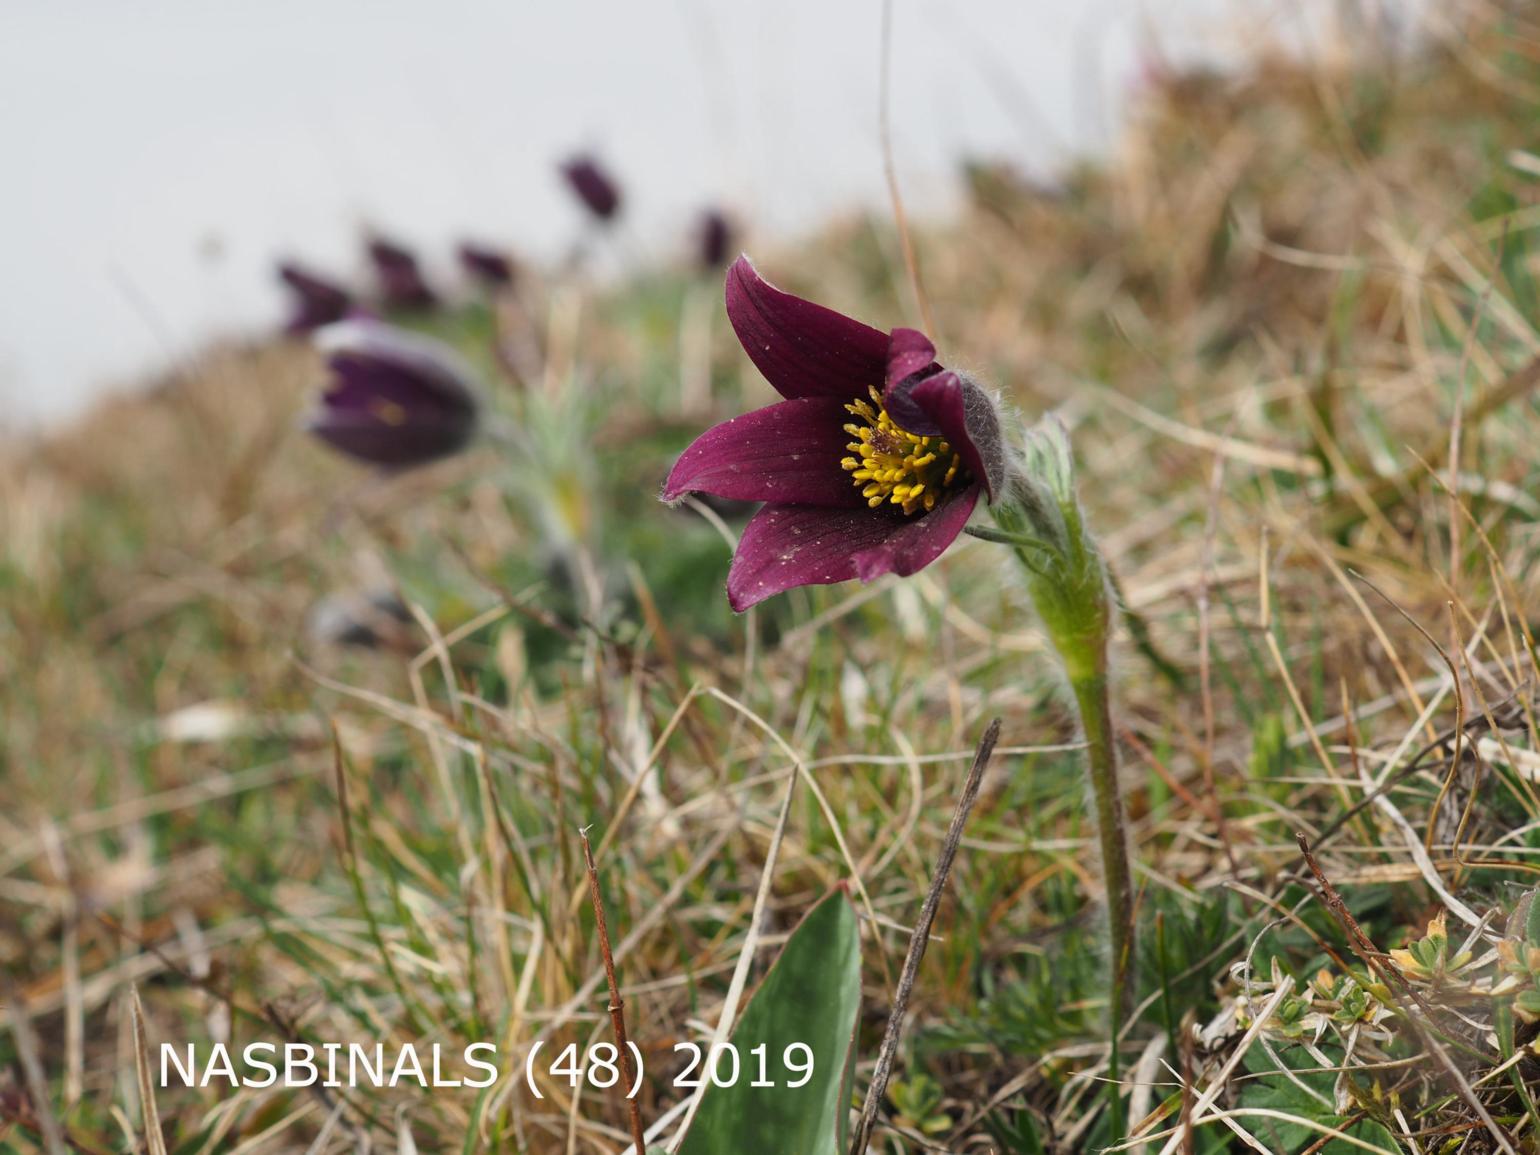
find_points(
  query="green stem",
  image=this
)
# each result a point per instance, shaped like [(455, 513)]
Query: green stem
[(1092, 699), (1069, 582)]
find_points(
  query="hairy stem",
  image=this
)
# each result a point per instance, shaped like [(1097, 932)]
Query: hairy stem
[(1071, 588), (1092, 700)]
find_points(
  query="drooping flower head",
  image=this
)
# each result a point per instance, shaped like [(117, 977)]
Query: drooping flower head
[(714, 239), (393, 398), (871, 465), (491, 266), (402, 285), (592, 185), (316, 300)]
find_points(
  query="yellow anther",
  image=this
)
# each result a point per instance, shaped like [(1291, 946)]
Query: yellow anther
[(895, 467)]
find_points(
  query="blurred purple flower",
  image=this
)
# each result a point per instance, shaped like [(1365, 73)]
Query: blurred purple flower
[(317, 301), (492, 267), (716, 235), (393, 398), (400, 279), (872, 464), (593, 186)]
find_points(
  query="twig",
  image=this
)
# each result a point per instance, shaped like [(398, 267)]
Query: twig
[(921, 938), (1362, 946), (617, 1004)]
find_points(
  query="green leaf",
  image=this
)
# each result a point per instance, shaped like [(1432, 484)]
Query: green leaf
[(1531, 916), (811, 996), (1273, 1090)]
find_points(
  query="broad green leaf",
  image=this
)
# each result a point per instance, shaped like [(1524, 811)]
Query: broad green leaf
[(811, 996), (1276, 1091)]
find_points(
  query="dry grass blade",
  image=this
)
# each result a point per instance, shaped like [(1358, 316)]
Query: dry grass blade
[(154, 1139)]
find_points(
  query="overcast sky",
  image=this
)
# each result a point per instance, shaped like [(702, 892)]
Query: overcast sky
[(158, 154)]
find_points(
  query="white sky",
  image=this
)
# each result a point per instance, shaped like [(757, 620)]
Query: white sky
[(139, 139)]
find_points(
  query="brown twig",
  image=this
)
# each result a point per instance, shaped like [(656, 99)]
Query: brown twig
[(617, 1004), (921, 938), (1362, 946)]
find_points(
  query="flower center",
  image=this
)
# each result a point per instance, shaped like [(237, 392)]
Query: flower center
[(895, 467)]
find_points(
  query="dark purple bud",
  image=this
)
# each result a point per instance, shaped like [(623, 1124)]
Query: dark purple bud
[(401, 282), (593, 186), (716, 237), (492, 267), (317, 301), (394, 398)]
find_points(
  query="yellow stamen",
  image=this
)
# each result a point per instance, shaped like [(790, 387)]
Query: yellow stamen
[(895, 467), (388, 411)]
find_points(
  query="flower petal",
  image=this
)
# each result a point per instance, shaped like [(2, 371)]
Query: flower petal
[(959, 409), (318, 301), (784, 546), (919, 540), (372, 360), (369, 438), (803, 349), (909, 352), (788, 453)]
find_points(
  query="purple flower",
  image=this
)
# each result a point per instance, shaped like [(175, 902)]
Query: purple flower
[(401, 281), (716, 235), (394, 398), (871, 465), (593, 186), (492, 267), (317, 301)]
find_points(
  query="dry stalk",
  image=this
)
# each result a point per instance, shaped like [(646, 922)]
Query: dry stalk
[(921, 937), (617, 1006)]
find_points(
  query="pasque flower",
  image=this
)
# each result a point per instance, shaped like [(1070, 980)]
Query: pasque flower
[(402, 285), (593, 186), (393, 398), (871, 465), (317, 301), (714, 236), (492, 267)]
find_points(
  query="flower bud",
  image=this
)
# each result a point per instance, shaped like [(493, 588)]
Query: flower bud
[(394, 398), (491, 266), (593, 186), (401, 282), (317, 301)]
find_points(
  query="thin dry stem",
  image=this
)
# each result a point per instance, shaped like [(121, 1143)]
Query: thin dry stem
[(617, 1007), (920, 938)]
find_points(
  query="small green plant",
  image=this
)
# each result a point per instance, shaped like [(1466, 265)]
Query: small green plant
[(917, 1107)]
